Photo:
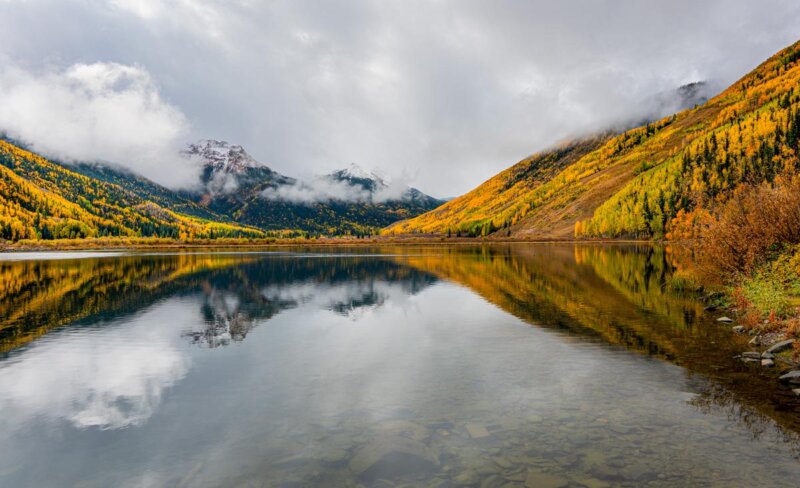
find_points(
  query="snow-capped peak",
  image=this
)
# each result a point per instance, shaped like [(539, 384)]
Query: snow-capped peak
[(356, 171), (221, 156), (356, 175)]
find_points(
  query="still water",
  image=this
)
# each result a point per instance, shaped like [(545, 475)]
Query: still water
[(505, 365)]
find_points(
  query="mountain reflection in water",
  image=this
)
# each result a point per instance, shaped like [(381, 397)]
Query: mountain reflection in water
[(430, 365)]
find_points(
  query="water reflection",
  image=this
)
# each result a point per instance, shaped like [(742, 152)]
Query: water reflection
[(415, 366), (107, 377)]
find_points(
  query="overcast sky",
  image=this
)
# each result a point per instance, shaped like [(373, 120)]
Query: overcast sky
[(443, 94)]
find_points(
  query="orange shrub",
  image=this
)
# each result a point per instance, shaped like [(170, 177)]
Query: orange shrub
[(756, 221)]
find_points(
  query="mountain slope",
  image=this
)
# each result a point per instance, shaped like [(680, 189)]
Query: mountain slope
[(42, 199), (145, 189), (749, 134), (481, 211), (636, 183), (348, 201)]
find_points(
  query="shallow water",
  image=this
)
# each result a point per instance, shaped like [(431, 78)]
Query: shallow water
[(506, 365)]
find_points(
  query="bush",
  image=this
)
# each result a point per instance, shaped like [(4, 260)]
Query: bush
[(766, 294), (754, 225)]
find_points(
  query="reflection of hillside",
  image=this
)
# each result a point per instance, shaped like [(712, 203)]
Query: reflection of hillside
[(543, 285), (240, 289), (38, 296), (615, 293)]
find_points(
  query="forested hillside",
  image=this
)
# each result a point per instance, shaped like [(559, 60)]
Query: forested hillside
[(646, 181), (40, 199), (749, 134)]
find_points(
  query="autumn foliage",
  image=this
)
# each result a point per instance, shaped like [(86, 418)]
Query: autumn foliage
[(754, 222), (40, 199)]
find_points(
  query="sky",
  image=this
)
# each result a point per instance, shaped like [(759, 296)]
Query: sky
[(441, 94)]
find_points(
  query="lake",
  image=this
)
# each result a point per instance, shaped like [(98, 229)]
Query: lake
[(500, 365)]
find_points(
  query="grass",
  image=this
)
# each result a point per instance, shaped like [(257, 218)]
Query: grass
[(682, 281)]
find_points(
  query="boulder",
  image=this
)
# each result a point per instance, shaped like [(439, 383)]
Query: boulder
[(792, 377), (780, 346)]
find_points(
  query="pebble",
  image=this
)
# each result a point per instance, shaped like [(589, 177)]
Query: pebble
[(726, 320), (738, 329)]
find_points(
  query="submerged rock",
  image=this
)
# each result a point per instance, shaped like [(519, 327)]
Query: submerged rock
[(751, 355), (477, 431), (393, 457), (593, 483), (780, 346), (335, 456), (543, 480)]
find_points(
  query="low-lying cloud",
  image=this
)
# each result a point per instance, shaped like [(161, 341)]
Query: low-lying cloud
[(326, 189), (106, 112)]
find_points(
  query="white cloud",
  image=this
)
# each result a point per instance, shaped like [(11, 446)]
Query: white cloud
[(97, 112), (110, 378), (324, 189), (451, 91)]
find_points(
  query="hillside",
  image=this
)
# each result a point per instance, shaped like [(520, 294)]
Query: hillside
[(646, 180), (40, 199)]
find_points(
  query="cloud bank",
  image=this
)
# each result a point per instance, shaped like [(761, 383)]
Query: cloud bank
[(452, 91), (325, 189), (97, 112)]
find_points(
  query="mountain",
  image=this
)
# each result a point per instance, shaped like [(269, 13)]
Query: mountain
[(645, 181), (357, 176), (348, 201), (43, 199), (378, 190), (230, 172)]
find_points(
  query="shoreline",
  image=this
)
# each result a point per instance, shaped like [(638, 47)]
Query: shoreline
[(115, 244)]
